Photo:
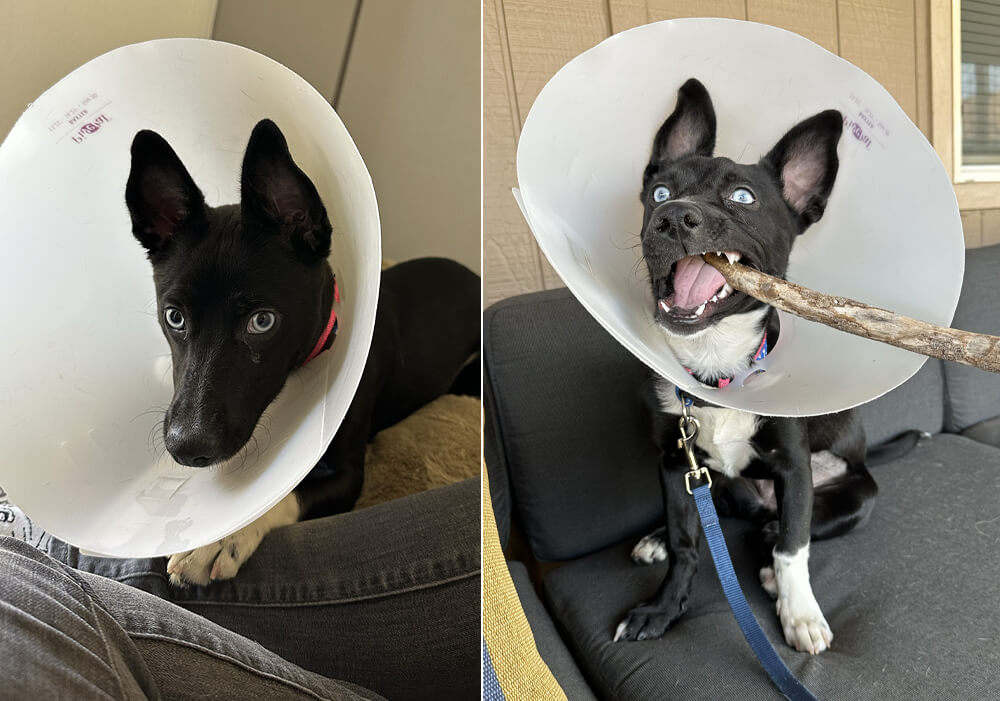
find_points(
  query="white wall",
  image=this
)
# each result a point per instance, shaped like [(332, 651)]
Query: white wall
[(43, 40), (409, 94), (411, 99)]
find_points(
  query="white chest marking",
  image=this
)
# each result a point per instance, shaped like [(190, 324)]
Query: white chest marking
[(724, 349), (725, 434)]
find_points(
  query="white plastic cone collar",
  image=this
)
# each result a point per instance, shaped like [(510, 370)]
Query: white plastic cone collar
[(84, 367), (891, 235)]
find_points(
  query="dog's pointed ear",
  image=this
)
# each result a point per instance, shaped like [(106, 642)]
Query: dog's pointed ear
[(162, 198), (276, 194), (688, 131), (690, 128), (805, 161)]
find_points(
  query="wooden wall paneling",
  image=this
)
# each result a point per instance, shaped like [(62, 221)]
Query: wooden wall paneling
[(626, 14), (658, 10), (878, 36), (942, 135), (511, 258), (922, 47), (815, 20), (990, 227), (542, 36), (972, 227)]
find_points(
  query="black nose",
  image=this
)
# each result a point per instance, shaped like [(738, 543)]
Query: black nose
[(192, 448), (677, 219)]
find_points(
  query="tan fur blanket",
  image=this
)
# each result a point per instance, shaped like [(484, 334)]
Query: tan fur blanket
[(437, 445)]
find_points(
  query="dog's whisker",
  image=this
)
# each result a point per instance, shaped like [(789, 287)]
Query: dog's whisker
[(625, 246)]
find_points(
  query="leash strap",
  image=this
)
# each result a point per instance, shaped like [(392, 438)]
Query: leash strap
[(775, 667)]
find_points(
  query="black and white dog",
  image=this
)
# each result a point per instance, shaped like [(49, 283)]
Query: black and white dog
[(245, 295), (799, 478)]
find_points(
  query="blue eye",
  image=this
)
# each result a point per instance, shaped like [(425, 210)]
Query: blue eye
[(261, 322), (743, 196), (661, 193), (174, 318)]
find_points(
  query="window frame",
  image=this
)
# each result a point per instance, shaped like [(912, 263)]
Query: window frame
[(976, 187)]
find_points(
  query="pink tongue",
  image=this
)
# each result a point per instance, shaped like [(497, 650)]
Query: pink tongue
[(695, 282)]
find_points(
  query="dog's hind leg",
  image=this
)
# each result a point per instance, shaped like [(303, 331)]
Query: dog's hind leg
[(845, 491), (843, 503), (334, 485), (651, 548), (736, 497)]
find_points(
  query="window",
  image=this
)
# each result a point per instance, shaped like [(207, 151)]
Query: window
[(963, 95), (979, 91)]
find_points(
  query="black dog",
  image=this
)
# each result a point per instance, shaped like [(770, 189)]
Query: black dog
[(695, 203), (244, 294)]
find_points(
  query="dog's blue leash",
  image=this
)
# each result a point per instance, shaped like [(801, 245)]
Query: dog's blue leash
[(775, 667)]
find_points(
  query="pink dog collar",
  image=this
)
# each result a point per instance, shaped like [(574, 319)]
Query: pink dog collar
[(331, 327)]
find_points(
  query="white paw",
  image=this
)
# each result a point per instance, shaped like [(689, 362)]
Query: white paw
[(650, 549), (620, 631), (805, 630), (802, 621), (219, 560), (769, 582), (223, 559)]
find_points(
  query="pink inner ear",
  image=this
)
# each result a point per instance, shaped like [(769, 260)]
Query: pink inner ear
[(683, 138), (802, 175)]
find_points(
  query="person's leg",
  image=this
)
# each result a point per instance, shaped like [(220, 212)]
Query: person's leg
[(56, 640), (72, 635), (387, 597)]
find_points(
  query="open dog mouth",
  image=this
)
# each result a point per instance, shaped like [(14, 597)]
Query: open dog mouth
[(695, 290)]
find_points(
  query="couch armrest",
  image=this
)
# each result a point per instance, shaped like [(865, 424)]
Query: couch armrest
[(547, 639)]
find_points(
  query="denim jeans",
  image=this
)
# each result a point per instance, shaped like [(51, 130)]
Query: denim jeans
[(385, 599)]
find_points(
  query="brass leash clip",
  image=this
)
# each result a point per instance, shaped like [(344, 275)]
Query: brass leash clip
[(689, 427)]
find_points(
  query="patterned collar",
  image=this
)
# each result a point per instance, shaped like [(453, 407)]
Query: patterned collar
[(758, 356)]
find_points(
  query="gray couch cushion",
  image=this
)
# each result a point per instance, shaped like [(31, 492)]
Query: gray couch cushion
[(550, 646), (972, 394), (987, 431), (911, 599), (576, 440), (916, 404)]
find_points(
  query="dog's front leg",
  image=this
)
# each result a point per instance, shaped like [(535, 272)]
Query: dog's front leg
[(223, 558), (802, 621), (652, 618)]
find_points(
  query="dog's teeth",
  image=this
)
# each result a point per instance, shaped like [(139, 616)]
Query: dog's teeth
[(664, 307), (727, 290), (700, 311), (733, 257), (714, 299)]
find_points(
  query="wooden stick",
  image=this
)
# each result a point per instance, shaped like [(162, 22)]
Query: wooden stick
[(976, 349)]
